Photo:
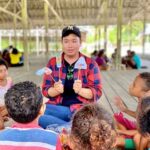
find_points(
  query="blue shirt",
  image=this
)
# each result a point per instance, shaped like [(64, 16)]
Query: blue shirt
[(27, 136), (137, 61)]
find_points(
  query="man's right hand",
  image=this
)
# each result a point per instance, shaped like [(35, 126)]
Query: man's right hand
[(58, 86), (120, 105)]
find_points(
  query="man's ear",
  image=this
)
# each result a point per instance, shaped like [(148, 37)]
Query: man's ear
[(42, 110)]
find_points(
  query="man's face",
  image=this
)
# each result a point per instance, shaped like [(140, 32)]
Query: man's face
[(137, 87), (71, 45)]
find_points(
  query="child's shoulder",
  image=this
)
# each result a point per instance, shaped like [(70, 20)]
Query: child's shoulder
[(9, 81)]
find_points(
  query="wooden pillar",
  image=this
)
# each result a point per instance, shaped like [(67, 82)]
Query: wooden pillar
[(144, 29), (29, 39), (46, 26), (37, 42), (99, 33), (25, 27), (95, 38), (56, 39), (15, 23), (10, 38), (105, 24), (119, 33), (0, 41), (130, 35)]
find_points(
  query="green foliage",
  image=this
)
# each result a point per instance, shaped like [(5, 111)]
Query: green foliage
[(90, 38), (137, 27)]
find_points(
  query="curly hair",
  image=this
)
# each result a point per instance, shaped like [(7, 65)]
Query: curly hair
[(143, 117), (92, 128), (23, 101)]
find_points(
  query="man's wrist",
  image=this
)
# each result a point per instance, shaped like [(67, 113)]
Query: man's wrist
[(80, 91)]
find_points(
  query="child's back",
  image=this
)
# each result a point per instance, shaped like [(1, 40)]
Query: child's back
[(24, 103)]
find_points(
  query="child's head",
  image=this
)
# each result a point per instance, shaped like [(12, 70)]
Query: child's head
[(24, 102), (92, 129), (143, 117), (3, 69), (140, 85)]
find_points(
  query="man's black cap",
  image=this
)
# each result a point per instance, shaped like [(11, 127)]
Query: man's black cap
[(71, 29)]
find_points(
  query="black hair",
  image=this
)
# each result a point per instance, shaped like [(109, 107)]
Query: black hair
[(3, 62), (10, 46), (23, 101), (146, 77), (14, 51), (144, 116), (101, 52)]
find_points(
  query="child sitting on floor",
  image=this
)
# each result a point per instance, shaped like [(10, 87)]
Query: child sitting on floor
[(24, 102), (143, 123), (5, 84), (92, 129), (139, 88)]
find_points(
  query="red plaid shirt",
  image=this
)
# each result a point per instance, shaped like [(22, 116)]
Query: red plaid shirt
[(90, 78)]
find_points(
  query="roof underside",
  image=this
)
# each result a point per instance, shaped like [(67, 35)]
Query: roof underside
[(79, 12)]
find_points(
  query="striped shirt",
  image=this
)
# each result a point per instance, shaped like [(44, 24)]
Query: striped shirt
[(90, 78), (27, 137)]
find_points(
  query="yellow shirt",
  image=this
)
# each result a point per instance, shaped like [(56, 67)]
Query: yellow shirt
[(15, 58)]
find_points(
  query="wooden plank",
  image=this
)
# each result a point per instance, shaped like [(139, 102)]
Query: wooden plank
[(119, 91)]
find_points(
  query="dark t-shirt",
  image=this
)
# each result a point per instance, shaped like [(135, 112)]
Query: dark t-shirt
[(69, 96)]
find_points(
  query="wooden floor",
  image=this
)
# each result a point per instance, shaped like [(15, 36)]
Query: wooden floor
[(115, 83)]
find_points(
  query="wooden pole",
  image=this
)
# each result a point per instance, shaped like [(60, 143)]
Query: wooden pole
[(144, 29), (95, 38), (25, 27), (130, 36), (99, 38), (46, 26), (105, 24), (37, 42), (119, 33), (0, 41), (15, 23)]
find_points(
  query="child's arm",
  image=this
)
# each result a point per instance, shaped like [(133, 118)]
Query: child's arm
[(140, 141), (127, 132), (143, 143), (122, 107), (3, 111), (130, 112)]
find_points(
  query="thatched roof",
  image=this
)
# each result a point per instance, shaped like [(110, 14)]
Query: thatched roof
[(66, 12)]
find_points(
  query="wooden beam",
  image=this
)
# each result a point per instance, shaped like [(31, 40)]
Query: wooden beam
[(54, 11), (101, 10), (10, 13), (8, 3)]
